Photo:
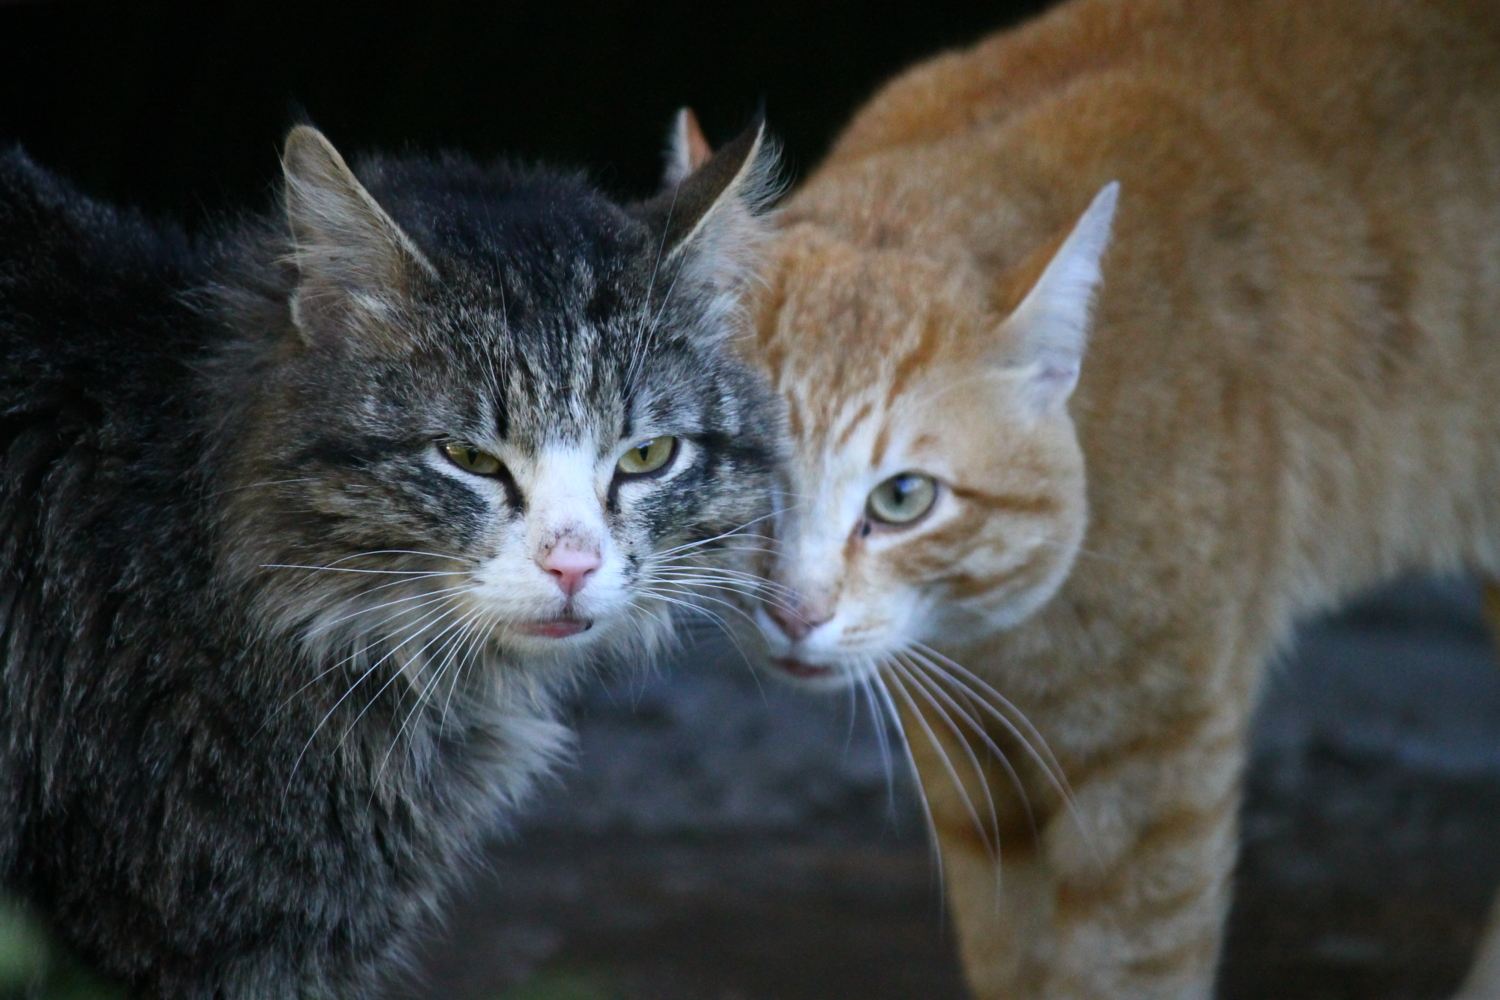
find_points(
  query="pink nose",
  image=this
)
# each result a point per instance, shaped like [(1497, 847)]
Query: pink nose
[(797, 622), (570, 567)]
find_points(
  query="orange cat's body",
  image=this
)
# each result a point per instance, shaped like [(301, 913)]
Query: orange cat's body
[(1290, 392)]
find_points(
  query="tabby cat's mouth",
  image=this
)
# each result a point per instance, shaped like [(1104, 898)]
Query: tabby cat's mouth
[(799, 669), (555, 628)]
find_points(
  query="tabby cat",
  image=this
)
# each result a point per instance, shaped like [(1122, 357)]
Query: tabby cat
[(303, 530), (1112, 512)]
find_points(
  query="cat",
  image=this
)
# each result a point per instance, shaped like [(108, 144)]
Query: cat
[(1113, 345), (305, 528)]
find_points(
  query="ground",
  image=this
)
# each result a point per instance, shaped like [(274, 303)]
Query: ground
[(720, 839), (724, 842)]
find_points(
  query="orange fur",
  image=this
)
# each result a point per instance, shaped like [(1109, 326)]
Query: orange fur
[(1290, 392)]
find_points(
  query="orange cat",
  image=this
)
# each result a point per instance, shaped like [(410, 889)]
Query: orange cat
[(1289, 390)]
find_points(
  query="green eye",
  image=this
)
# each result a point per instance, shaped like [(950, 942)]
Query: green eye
[(648, 457), (902, 498), (471, 459)]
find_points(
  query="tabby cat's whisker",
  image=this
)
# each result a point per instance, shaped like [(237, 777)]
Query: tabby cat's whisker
[(348, 569), (251, 486), (709, 597), (724, 572), (403, 552), (354, 655), (426, 597), (649, 330), (402, 672), (452, 646), (733, 587), (724, 627), (350, 690), (647, 611), (727, 534)]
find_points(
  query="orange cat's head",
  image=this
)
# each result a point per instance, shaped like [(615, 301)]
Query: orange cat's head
[(935, 482)]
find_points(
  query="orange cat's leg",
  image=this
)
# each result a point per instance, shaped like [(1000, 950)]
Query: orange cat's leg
[(1483, 982), (1132, 910)]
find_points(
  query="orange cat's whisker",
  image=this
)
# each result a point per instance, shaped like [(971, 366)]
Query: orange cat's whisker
[(975, 686), (879, 685), (882, 738), (990, 698), (921, 674), (990, 835)]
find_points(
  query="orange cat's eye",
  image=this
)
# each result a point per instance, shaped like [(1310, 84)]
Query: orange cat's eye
[(902, 498)]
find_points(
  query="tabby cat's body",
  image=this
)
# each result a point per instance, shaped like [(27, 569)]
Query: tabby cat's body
[(1289, 392), (302, 532)]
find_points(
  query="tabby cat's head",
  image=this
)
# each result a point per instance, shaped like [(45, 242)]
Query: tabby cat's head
[(485, 408), (936, 485)]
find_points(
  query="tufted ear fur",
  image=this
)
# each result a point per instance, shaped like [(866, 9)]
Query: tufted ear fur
[(1048, 331), (710, 213), (355, 265)]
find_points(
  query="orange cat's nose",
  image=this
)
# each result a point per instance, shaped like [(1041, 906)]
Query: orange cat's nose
[(797, 622)]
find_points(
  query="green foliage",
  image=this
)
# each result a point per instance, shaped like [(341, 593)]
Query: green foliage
[(560, 985), (30, 968)]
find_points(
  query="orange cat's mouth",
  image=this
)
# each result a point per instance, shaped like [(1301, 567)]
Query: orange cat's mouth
[(799, 669)]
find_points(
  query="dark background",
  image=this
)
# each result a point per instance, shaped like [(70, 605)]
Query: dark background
[(180, 107)]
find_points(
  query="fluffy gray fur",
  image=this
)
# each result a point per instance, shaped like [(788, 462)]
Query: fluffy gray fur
[(262, 693)]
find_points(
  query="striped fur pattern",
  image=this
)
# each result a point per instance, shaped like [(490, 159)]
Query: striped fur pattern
[(273, 660), (1154, 440)]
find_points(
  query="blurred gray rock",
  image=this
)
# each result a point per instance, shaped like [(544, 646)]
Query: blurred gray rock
[(705, 746), (722, 836)]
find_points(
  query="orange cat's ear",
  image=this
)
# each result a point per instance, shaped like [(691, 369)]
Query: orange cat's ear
[(1048, 331), (687, 149), (723, 192), (712, 224), (352, 259)]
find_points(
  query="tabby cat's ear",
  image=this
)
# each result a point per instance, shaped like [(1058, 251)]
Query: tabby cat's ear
[(1048, 331), (355, 265), (709, 216)]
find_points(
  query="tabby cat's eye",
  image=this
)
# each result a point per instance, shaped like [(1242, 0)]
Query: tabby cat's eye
[(648, 456), (471, 459), (902, 498)]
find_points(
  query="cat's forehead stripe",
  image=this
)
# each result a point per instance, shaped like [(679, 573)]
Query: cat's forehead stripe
[(917, 359), (853, 423)]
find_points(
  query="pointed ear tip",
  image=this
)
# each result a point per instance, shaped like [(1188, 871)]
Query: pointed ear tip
[(306, 146), (1108, 196), (303, 136)]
